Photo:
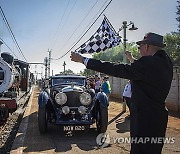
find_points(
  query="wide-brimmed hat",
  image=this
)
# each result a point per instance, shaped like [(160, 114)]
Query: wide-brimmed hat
[(152, 39)]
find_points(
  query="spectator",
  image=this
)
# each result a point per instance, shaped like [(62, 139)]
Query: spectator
[(127, 94), (106, 87), (97, 83)]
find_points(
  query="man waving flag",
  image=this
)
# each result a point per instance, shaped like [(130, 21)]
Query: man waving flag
[(105, 37)]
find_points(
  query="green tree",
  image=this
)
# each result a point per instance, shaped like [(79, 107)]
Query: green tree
[(112, 55), (87, 72), (67, 72), (116, 54), (172, 41)]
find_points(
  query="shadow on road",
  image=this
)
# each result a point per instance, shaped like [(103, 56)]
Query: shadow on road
[(116, 117), (174, 114), (55, 139), (123, 125)]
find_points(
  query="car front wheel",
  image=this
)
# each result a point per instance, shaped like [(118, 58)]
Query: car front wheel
[(42, 120), (102, 119)]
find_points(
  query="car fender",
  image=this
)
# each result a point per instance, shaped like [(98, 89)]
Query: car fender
[(43, 99), (103, 99), (92, 93)]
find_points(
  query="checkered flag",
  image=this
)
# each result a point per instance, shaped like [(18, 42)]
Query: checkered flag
[(105, 37)]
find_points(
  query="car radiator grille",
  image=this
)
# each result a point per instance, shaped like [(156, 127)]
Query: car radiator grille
[(73, 99)]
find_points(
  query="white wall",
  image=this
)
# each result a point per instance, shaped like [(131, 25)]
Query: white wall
[(117, 86), (173, 98)]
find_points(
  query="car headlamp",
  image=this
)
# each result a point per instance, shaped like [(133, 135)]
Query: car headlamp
[(61, 98), (82, 109), (65, 109), (85, 98)]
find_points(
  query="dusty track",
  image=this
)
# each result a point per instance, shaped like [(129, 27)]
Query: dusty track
[(28, 139)]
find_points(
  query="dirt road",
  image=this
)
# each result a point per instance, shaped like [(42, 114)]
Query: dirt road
[(28, 139)]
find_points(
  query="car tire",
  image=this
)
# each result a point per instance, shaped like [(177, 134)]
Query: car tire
[(42, 120), (102, 119)]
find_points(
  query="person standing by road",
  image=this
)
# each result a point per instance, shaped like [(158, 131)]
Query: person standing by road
[(106, 87), (151, 77), (127, 94), (127, 89), (97, 83)]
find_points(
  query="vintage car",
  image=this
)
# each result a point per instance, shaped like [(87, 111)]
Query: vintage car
[(68, 103)]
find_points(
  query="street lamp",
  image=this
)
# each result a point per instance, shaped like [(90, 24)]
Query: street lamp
[(124, 27), (64, 64)]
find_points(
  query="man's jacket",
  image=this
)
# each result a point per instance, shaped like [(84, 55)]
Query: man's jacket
[(151, 78)]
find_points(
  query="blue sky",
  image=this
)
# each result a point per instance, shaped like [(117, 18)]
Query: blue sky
[(39, 25)]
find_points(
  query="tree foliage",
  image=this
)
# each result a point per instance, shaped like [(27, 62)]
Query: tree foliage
[(172, 41), (112, 55), (69, 71), (116, 54), (87, 72)]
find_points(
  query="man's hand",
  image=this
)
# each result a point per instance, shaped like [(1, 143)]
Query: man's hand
[(76, 57), (129, 56)]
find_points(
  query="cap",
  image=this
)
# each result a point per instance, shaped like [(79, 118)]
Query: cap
[(152, 39)]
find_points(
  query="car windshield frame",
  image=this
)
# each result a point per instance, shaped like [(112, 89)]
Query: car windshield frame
[(68, 81)]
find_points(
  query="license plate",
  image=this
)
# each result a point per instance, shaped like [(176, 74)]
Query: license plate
[(72, 128)]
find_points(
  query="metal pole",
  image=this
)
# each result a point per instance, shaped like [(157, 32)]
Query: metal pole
[(46, 63), (35, 72), (52, 73), (124, 27), (49, 62), (124, 57), (124, 40), (64, 67)]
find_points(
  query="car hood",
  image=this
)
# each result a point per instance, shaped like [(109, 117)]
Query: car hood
[(72, 88)]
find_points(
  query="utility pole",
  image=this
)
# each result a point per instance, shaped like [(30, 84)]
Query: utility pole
[(35, 72), (64, 64), (52, 72), (41, 72), (49, 62), (46, 66)]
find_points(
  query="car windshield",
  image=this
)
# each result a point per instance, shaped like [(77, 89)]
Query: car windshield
[(76, 81)]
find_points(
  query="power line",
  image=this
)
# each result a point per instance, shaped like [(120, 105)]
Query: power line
[(91, 20), (80, 24), (11, 32), (85, 31), (67, 18), (60, 22)]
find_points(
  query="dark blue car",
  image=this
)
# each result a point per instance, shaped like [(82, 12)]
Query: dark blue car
[(68, 103)]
